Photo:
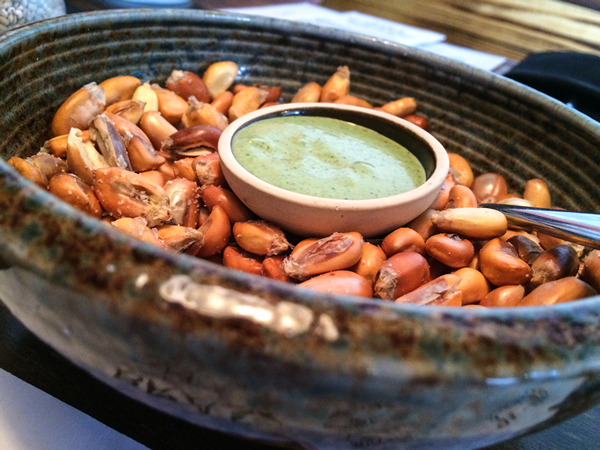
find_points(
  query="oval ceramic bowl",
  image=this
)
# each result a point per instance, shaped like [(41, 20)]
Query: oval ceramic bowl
[(306, 215), (256, 357)]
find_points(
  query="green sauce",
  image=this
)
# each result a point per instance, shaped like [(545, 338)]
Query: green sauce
[(326, 157)]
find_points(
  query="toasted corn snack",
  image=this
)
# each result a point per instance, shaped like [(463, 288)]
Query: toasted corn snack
[(138, 227), (501, 265), (401, 274), (441, 200), (591, 269), (131, 110), (155, 177), (49, 165), (125, 126), (337, 86), (401, 107), (104, 133), (527, 249), (564, 290), (79, 109), (142, 155), (402, 240), (29, 171), (342, 282), (461, 197), (489, 187), (207, 169), (473, 285), (217, 231), (222, 102), (183, 199), (181, 143), (58, 145), (238, 259), (179, 238), (187, 84), (463, 168), (503, 296), (234, 208), (157, 128), (309, 93), (450, 249), (442, 291), (537, 192), (219, 77), (423, 224), (353, 101), (260, 237), (558, 262), (272, 267), (183, 169), (127, 194), (72, 190), (121, 88), (417, 120), (336, 252), (203, 114), (370, 262), (170, 105), (244, 102), (83, 158), (146, 94), (479, 223)]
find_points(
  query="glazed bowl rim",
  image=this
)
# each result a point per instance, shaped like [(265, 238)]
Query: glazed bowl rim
[(308, 298)]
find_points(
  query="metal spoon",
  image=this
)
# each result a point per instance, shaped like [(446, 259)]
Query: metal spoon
[(582, 228)]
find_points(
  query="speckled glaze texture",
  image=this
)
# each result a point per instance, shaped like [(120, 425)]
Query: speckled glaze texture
[(265, 360)]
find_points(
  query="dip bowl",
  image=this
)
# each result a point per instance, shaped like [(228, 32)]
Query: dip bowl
[(307, 215), (263, 359)]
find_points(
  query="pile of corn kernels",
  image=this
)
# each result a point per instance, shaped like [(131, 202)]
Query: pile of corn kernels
[(144, 159)]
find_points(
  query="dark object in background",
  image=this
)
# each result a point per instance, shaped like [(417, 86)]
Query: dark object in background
[(571, 77)]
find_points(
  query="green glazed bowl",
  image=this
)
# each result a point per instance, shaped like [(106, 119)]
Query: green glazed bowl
[(258, 358)]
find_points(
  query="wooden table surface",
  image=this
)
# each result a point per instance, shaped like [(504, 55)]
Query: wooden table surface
[(26, 357)]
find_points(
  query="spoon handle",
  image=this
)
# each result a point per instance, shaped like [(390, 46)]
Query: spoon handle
[(582, 228)]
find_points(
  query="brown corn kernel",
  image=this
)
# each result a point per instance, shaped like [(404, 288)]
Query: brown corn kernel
[(558, 262), (170, 105), (72, 190), (537, 192), (83, 158), (402, 240), (29, 171), (527, 249), (217, 231), (49, 165), (181, 143), (417, 120), (137, 227), (401, 274), (401, 107), (203, 114), (154, 176), (157, 128), (260, 237), (370, 262), (244, 102), (126, 194), (503, 296), (203, 214), (591, 269), (168, 171), (233, 206), (501, 265), (58, 145), (511, 233), (547, 241), (142, 155), (118, 89), (337, 86), (131, 110), (341, 282), (222, 102), (352, 101), (461, 197), (272, 267), (473, 285), (489, 187), (238, 259), (109, 141), (441, 200), (179, 238), (183, 200), (79, 109), (309, 93), (559, 291), (335, 252), (184, 169), (124, 126), (146, 94), (450, 250), (207, 169), (220, 76), (463, 168), (423, 225), (479, 223), (187, 84), (442, 291)]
